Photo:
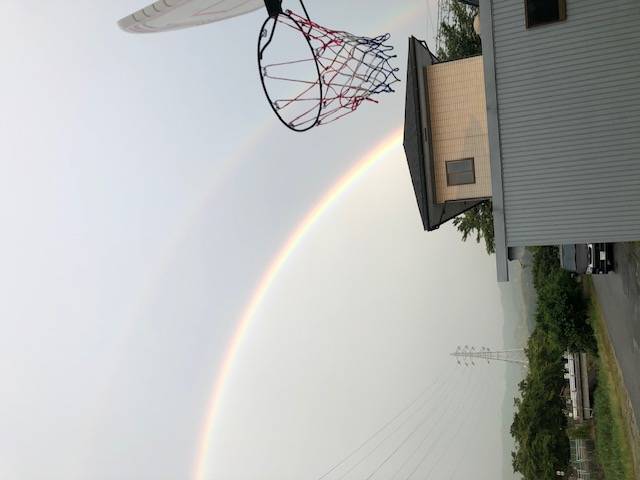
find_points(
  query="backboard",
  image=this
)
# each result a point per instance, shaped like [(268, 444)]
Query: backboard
[(166, 15)]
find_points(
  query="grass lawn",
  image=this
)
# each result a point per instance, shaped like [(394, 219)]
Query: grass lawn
[(612, 413)]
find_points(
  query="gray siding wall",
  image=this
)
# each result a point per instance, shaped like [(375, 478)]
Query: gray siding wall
[(569, 111)]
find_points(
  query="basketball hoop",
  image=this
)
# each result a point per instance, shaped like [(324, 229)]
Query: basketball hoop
[(331, 75), (308, 81)]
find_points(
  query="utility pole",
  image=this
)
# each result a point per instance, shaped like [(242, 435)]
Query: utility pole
[(470, 355), (444, 15)]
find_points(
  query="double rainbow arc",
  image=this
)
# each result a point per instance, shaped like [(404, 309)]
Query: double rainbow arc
[(390, 142)]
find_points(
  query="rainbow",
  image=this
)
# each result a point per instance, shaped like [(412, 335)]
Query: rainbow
[(331, 196)]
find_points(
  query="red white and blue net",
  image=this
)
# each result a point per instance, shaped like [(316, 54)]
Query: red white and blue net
[(329, 78)]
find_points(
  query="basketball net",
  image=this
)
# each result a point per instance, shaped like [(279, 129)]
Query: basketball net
[(351, 70)]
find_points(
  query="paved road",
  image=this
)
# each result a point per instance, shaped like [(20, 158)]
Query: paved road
[(619, 296)]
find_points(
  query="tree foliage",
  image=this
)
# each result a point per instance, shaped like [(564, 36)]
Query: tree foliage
[(459, 40), (562, 307), (562, 311), (478, 222), (540, 424), (546, 260)]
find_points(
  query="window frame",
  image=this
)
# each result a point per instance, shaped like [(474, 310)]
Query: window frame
[(449, 175), (562, 14)]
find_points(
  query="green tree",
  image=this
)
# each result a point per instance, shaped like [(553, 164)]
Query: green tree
[(562, 310), (539, 424), (546, 260), (562, 307), (459, 40), (478, 221)]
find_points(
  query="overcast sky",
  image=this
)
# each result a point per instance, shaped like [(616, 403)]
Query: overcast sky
[(145, 188)]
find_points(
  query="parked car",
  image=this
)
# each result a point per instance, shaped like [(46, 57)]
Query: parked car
[(589, 258), (574, 258), (600, 258)]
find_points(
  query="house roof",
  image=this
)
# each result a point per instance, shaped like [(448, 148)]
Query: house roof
[(417, 142)]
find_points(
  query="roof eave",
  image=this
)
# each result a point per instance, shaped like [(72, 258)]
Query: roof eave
[(495, 153)]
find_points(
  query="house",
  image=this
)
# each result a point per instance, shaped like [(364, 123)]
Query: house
[(545, 123)]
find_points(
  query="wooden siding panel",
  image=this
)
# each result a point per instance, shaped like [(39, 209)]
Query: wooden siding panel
[(459, 125)]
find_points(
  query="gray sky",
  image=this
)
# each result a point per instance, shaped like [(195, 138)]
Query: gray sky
[(145, 187)]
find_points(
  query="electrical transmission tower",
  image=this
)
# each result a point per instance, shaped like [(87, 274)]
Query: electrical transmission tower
[(470, 355)]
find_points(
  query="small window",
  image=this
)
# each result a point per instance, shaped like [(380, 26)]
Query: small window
[(540, 12), (461, 172)]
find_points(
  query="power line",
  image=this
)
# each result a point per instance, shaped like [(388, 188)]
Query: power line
[(468, 414), (429, 450), (405, 440), (444, 15), (442, 389), (402, 444), (430, 23), (381, 429), (428, 433), (389, 435)]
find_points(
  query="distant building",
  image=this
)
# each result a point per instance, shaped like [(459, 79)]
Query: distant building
[(545, 123), (578, 385)]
